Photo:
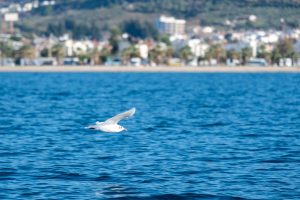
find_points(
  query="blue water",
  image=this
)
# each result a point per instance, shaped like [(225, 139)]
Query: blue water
[(194, 136)]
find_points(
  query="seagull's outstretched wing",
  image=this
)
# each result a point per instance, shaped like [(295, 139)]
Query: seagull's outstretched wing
[(119, 117)]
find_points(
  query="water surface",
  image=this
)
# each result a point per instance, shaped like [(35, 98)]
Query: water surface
[(194, 136)]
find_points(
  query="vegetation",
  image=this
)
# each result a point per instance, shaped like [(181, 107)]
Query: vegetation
[(160, 54), (6, 50), (217, 52), (90, 18), (77, 31), (284, 49), (140, 29)]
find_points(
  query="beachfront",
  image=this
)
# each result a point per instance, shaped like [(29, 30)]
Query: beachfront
[(240, 69)]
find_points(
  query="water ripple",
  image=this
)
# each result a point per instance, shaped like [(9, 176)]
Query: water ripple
[(194, 136)]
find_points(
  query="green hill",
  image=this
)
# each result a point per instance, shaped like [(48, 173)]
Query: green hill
[(104, 14)]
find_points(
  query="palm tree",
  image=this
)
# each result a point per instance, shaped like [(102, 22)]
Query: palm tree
[(129, 53), (185, 54), (114, 40), (168, 53), (217, 52), (284, 49), (105, 53), (262, 53), (27, 51), (246, 54), (232, 54), (156, 55), (275, 57), (58, 52), (6, 50), (94, 56)]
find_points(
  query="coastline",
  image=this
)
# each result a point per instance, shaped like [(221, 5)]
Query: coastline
[(219, 69)]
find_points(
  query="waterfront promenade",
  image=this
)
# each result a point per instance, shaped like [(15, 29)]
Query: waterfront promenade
[(239, 69)]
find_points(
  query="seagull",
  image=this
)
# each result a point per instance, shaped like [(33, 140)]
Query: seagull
[(111, 125)]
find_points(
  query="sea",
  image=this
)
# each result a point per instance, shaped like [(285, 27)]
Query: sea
[(194, 136)]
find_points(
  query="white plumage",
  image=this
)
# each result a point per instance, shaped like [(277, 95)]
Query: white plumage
[(111, 125)]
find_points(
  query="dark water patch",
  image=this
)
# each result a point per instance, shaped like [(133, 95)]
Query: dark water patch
[(105, 157), (103, 177), (149, 129), (215, 124), (30, 194), (164, 124), (64, 176), (281, 160), (7, 173), (11, 154)]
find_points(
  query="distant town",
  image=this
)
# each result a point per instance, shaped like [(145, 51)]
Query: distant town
[(176, 45)]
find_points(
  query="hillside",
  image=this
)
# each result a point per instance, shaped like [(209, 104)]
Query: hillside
[(105, 14)]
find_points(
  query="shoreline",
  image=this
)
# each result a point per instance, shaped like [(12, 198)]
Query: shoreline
[(219, 69)]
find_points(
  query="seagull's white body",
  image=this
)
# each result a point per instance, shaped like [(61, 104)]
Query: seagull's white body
[(111, 125)]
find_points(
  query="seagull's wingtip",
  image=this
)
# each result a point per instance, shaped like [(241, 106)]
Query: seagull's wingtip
[(133, 110)]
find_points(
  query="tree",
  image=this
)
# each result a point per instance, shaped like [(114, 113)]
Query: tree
[(94, 56), (165, 39), (275, 57), (129, 53), (44, 53), (58, 52), (6, 50), (185, 53), (156, 55), (114, 40), (104, 54), (56, 29), (139, 29), (284, 49), (95, 32), (27, 51), (169, 53), (217, 52), (233, 55), (246, 54), (262, 53)]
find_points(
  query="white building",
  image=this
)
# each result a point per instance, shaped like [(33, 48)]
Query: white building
[(143, 50), (170, 25), (78, 47), (198, 48), (27, 7)]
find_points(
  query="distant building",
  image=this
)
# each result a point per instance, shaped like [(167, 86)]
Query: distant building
[(143, 50), (257, 62), (28, 7), (170, 25), (78, 47), (198, 48), (252, 18), (11, 18)]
